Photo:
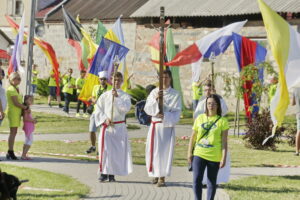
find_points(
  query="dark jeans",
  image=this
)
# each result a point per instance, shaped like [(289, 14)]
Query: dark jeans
[(199, 165), (78, 106), (67, 101)]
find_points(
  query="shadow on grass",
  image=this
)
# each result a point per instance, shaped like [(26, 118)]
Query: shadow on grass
[(291, 177), (259, 189)]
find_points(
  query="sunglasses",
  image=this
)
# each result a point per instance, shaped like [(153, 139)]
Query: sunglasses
[(103, 79)]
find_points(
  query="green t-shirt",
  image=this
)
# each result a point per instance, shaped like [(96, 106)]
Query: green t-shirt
[(98, 90), (68, 81), (79, 84), (34, 77), (197, 91), (210, 146), (52, 82)]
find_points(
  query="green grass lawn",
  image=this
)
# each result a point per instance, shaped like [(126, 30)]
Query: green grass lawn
[(240, 155), (265, 188), (51, 123), (39, 179)]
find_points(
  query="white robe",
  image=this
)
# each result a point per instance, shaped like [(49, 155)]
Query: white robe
[(164, 136), (224, 173), (116, 158)]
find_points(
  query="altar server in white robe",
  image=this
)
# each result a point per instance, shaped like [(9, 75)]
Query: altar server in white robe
[(114, 148), (224, 173), (161, 134)]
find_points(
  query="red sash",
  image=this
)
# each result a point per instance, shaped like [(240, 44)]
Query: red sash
[(152, 144), (102, 141)]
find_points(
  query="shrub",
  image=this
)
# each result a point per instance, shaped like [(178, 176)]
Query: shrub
[(137, 94), (259, 129), (42, 87), (290, 134)]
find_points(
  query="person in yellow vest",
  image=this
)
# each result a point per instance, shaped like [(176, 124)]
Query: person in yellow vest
[(272, 88), (98, 90), (34, 78), (197, 93), (79, 84), (68, 87), (52, 90)]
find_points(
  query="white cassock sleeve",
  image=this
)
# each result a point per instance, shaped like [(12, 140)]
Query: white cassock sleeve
[(172, 112), (151, 106), (200, 109), (99, 112), (224, 107), (122, 104)]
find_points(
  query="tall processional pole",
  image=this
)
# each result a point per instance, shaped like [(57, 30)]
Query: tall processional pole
[(161, 57)]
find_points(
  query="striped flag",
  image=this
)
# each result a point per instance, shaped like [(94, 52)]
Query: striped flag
[(15, 60)]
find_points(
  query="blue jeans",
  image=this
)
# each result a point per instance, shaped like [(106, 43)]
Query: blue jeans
[(33, 87), (199, 165), (195, 103), (67, 101)]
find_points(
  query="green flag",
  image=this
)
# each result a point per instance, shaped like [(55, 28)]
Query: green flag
[(101, 31), (171, 52)]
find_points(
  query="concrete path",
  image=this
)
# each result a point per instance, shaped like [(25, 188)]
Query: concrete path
[(136, 186)]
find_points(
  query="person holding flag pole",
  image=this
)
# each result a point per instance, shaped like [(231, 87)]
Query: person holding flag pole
[(114, 148)]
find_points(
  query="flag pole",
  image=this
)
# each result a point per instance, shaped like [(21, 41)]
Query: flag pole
[(212, 58), (30, 48), (116, 65), (161, 58)]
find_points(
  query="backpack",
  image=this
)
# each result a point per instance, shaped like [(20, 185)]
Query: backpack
[(140, 113)]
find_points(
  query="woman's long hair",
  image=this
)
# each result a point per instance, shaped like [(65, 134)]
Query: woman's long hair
[(217, 100)]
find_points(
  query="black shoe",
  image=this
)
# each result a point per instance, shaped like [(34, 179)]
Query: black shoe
[(111, 178), (60, 106), (91, 149), (103, 177), (11, 155), (49, 104)]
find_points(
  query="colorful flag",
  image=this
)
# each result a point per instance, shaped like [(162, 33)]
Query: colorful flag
[(100, 33), (116, 34), (285, 46), (171, 52), (15, 60), (216, 42), (45, 47), (103, 61), (80, 40), (249, 52)]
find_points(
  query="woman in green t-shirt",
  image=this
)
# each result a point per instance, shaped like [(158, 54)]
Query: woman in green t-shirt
[(14, 111), (208, 146)]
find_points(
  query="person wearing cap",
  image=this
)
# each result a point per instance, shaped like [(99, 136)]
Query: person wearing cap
[(114, 148), (98, 90), (69, 85), (79, 84)]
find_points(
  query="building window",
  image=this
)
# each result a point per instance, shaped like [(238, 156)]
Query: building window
[(15, 7)]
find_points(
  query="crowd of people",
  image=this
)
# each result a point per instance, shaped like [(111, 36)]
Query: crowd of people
[(208, 154)]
